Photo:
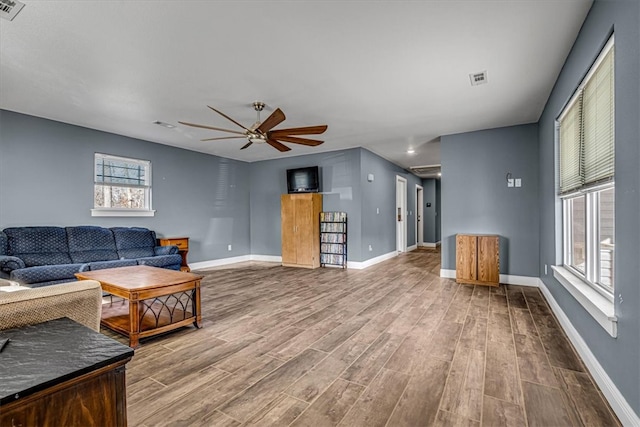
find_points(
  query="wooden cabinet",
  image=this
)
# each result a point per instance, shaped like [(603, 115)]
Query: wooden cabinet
[(478, 259), (300, 215), (94, 399), (61, 373), (183, 248)]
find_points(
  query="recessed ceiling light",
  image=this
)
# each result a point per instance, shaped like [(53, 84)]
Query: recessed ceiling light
[(163, 124), (411, 151)]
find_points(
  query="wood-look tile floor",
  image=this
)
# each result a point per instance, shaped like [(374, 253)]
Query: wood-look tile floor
[(392, 345)]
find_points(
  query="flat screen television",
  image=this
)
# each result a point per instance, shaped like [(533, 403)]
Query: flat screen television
[(303, 180)]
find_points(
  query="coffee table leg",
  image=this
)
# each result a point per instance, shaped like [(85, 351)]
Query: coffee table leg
[(134, 321), (197, 312)]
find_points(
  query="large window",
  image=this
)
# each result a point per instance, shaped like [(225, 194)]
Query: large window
[(122, 186), (587, 189)]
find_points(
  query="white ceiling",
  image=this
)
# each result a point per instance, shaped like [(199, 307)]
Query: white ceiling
[(384, 75)]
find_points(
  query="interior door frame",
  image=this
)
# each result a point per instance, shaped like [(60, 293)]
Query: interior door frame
[(401, 214), (419, 215)]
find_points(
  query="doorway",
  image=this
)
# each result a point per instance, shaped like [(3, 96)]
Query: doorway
[(419, 216), (401, 214)]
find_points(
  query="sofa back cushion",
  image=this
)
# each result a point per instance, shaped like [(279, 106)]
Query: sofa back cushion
[(3, 244), (134, 242), (88, 243), (38, 245)]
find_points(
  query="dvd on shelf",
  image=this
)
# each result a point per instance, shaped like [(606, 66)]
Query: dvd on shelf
[(333, 238)]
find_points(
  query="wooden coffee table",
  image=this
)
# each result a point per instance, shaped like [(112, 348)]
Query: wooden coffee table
[(154, 300)]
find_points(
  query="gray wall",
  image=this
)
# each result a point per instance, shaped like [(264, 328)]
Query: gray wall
[(618, 356), (344, 188), (379, 230), (476, 199), (46, 178), (340, 186)]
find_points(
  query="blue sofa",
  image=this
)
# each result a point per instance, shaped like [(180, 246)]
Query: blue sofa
[(42, 256)]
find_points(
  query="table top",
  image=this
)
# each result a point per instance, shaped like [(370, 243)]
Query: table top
[(139, 277), (43, 355)]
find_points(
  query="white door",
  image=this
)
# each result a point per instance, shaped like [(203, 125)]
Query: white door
[(419, 216), (401, 214)]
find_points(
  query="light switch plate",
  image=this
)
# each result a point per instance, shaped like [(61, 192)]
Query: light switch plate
[(518, 182), (510, 182)]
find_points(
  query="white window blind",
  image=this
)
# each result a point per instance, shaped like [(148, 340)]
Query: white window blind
[(598, 124), (586, 125), (121, 171), (571, 147)]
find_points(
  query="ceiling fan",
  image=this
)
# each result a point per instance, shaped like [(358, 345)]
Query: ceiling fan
[(261, 132)]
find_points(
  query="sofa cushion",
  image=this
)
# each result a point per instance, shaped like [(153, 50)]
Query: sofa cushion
[(45, 273), (89, 243), (164, 261), (38, 245), (134, 242), (3, 244), (101, 265)]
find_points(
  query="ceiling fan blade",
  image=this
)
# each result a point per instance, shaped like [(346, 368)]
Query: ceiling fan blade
[(273, 120), (296, 140), (246, 145), (308, 130), (222, 137), (227, 117), (278, 146), (210, 127)]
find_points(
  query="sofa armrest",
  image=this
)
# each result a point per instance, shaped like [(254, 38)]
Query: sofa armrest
[(10, 263), (165, 250), (80, 301)]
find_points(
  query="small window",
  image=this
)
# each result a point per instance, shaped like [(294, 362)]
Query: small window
[(587, 189), (122, 186)]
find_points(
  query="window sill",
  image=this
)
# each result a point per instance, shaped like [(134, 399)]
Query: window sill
[(122, 212), (596, 304)]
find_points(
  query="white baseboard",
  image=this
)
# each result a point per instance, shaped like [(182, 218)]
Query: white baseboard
[(218, 262), (412, 248), (226, 261), (449, 274), (618, 403), (508, 279), (361, 265), (266, 258)]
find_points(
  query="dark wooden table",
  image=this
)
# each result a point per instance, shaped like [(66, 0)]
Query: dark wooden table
[(154, 300), (62, 373)]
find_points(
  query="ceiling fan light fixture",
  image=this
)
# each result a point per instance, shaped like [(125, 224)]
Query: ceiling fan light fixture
[(411, 151), (255, 137)]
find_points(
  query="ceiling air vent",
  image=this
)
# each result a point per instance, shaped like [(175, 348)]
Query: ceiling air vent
[(478, 78), (429, 171), (10, 8)]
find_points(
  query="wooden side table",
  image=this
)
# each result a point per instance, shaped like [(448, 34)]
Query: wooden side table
[(183, 248)]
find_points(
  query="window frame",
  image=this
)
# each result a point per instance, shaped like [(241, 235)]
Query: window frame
[(147, 211), (593, 261), (595, 298)]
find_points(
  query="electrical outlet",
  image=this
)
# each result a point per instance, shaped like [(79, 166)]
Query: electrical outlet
[(370, 248), (518, 182), (378, 211), (229, 247), (545, 269)]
